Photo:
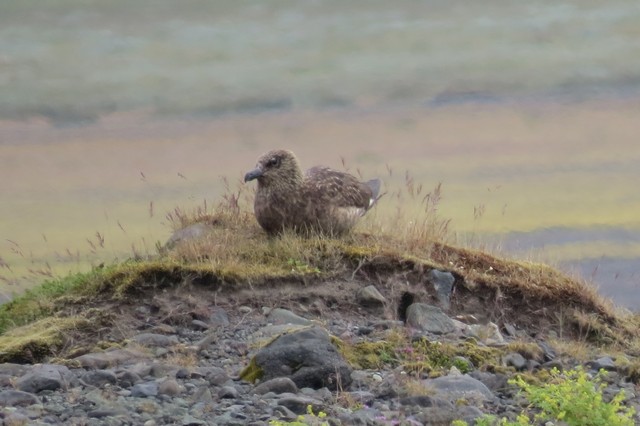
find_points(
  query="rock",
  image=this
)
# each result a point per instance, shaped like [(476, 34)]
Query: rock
[(14, 370), (466, 318), (203, 394), (15, 419), (245, 310), (362, 379), (46, 377), (460, 387), (443, 284), (391, 386), (169, 387), (510, 329), (228, 392), (489, 334), (495, 382), (269, 332), (307, 357), (6, 381), (426, 401), (299, 404), (429, 318), (469, 413), (103, 360), (369, 296), (387, 324), (206, 341), (159, 369), (366, 416), (192, 421), (556, 363), (99, 378), (218, 317), (515, 360), (461, 327), (199, 325), (126, 378), (183, 373), (548, 353), (152, 339), (95, 396), (15, 398), (361, 397), (189, 233), (106, 412), (284, 316), (604, 363), (436, 416), (284, 414), (163, 329), (278, 385), (364, 330), (216, 376), (143, 390)]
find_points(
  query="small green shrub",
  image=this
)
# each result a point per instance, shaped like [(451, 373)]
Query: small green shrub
[(576, 398), (310, 419), (572, 397)]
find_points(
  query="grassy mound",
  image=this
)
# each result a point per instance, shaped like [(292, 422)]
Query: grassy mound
[(231, 253)]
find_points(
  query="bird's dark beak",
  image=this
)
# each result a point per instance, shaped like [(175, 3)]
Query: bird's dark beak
[(253, 174)]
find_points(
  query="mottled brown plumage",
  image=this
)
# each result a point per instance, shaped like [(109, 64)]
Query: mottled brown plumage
[(322, 200)]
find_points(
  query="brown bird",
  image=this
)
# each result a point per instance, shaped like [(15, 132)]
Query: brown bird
[(322, 200)]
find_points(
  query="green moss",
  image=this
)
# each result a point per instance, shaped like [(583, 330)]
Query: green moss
[(38, 340), (252, 372), (368, 355), (528, 350), (479, 355), (40, 301), (421, 356)]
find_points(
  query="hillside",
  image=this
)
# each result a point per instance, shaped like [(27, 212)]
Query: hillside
[(161, 332)]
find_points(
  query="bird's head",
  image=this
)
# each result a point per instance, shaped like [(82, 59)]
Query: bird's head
[(276, 168)]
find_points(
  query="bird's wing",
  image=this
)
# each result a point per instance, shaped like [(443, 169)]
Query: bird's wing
[(338, 188)]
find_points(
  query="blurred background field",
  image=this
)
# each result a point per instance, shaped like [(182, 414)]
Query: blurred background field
[(114, 113)]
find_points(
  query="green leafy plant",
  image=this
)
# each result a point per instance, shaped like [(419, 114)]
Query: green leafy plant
[(573, 397), (309, 419), (300, 266), (576, 398)]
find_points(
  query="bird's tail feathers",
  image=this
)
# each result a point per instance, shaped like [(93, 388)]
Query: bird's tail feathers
[(374, 185)]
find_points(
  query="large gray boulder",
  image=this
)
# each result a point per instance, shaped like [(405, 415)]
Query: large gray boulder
[(443, 284), (306, 356), (190, 233), (16, 398), (429, 318), (46, 377), (103, 360), (456, 386)]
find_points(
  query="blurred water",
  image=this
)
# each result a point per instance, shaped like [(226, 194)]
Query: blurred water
[(605, 256), (73, 60)]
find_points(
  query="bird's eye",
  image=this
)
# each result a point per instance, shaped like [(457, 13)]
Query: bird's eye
[(273, 162)]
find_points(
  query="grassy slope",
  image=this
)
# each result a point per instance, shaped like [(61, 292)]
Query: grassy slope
[(236, 254)]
